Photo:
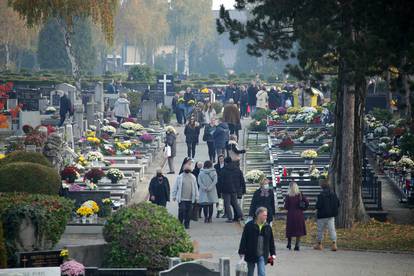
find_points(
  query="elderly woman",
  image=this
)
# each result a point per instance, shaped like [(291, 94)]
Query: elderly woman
[(121, 108), (263, 197), (295, 204)]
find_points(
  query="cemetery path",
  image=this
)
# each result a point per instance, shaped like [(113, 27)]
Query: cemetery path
[(222, 240)]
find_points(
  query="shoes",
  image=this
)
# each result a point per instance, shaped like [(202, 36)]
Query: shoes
[(296, 248), (187, 226), (289, 247), (205, 220), (170, 172), (334, 247), (318, 246)]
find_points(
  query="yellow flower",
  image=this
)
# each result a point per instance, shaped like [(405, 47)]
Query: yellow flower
[(90, 133), (91, 204), (93, 140), (84, 211), (2, 156), (64, 253)]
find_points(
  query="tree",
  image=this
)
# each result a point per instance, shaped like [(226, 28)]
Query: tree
[(51, 50), (245, 63), (334, 37), (66, 12), (206, 60), (144, 24)]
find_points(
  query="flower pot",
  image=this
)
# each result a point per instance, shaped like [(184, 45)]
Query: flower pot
[(83, 220), (114, 181), (308, 161)]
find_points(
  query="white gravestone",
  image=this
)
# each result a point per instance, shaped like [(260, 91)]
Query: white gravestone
[(70, 90), (33, 271), (69, 136), (31, 118), (99, 98), (78, 120)]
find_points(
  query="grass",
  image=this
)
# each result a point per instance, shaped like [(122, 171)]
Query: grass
[(374, 235)]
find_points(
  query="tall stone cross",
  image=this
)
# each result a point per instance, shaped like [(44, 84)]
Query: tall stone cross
[(164, 81)]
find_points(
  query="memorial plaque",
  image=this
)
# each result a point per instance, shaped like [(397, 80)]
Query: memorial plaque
[(38, 271), (39, 259), (29, 99), (81, 196)]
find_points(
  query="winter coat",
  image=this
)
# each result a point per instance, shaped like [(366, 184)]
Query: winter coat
[(208, 133), (229, 93), (262, 198), (274, 101), (327, 204), (121, 108), (191, 134), (252, 91), (262, 99), (207, 181), (174, 104), (232, 180), (234, 151), (65, 106), (221, 136), (178, 185), (171, 140), (248, 242), (244, 98), (161, 191), (231, 114), (208, 115), (295, 222), (188, 97)]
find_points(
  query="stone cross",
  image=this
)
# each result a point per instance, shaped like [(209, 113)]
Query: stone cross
[(164, 81)]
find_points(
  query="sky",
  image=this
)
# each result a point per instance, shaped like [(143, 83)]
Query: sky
[(227, 3)]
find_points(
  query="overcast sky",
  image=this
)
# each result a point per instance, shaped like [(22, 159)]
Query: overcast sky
[(227, 3)]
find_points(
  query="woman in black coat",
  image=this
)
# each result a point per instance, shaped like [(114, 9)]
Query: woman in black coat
[(159, 189), (263, 197), (191, 132)]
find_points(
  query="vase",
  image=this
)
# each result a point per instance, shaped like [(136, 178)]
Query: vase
[(309, 161), (83, 220), (114, 181)]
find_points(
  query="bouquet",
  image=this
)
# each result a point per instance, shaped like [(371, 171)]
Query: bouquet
[(72, 268), (286, 144), (130, 132), (108, 129), (93, 140), (405, 162), (50, 110), (94, 156), (107, 201), (180, 100), (191, 102), (309, 154), (84, 211), (90, 133), (114, 175), (70, 174), (82, 161), (132, 126), (170, 129), (34, 138), (394, 151), (146, 138), (315, 174), (281, 111), (255, 176), (93, 205), (94, 175)]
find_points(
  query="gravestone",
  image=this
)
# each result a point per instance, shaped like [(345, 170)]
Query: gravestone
[(69, 136), (197, 268), (55, 97), (28, 98), (81, 196), (78, 121), (35, 271), (99, 98), (91, 271), (165, 83), (149, 111), (49, 258), (90, 113), (70, 90), (31, 118)]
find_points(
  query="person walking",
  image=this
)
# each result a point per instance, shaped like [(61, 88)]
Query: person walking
[(196, 214), (209, 113), (232, 185), (274, 101), (252, 91), (159, 189), (65, 107), (262, 98), (175, 107), (220, 204), (244, 101), (257, 245), (191, 132), (207, 180), (185, 192), (171, 142), (295, 203), (231, 115), (263, 197), (221, 137), (121, 108), (327, 206), (233, 150), (209, 138)]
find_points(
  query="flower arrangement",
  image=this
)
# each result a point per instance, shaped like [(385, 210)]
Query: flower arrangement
[(50, 110), (191, 102), (293, 110), (93, 140), (380, 131), (82, 161), (121, 146), (255, 176), (146, 138), (34, 138), (130, 132), (128, 152), (315, 173), (75, 188), (70, 174), (286, 144), (90, 133), (309, 154), (394, 151), (114, 175), (91, 186), (281, 111), (64, 253), (108, 129), (180, 100), (132, 126), (94, 175), (94, 156), (258, 125), (93, 205), (72, 268), (405, 162), (107, 201), (84, 211)]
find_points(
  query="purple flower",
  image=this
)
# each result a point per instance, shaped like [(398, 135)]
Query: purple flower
[(281, 110), (146, 138), (75, 188)]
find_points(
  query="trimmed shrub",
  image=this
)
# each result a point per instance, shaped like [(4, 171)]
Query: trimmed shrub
[(260, 114), (47, 215), (144, 235), (3, 251), (30, 178), (23, 156)]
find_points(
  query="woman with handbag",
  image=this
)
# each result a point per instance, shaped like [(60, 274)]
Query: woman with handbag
[(170, 149), (295, 204)]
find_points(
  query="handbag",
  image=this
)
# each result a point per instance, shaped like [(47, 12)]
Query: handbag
[(195, 211), (167, 151), (241, 267), (302, 204)]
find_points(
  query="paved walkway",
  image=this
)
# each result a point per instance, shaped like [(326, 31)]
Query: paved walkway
[(222, 240)]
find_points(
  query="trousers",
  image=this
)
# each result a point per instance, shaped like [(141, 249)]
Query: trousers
[(231, 199), (261, 267), (326, 223), (184, 212)]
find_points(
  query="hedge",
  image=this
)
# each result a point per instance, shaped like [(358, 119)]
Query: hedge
[(23, 156)]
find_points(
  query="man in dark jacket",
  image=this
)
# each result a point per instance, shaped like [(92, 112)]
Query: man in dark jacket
[(229, 92), (188, 96), (274, 101), (159, 189), (257, 245), (176, 109), (65, 108), (327, 206), (232, 184), (221, 137), (252, 91), (244, 101)]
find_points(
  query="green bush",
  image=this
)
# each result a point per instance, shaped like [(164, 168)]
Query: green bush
[(134, 102), (258, 125), (22, 156), (3, 251), (260, 114), (29, 177), (141, 73), (382, 115), (48, 214), (407, 144), (144, 235)]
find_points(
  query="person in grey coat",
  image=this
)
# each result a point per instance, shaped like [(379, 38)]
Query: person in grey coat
[(207, 180)]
